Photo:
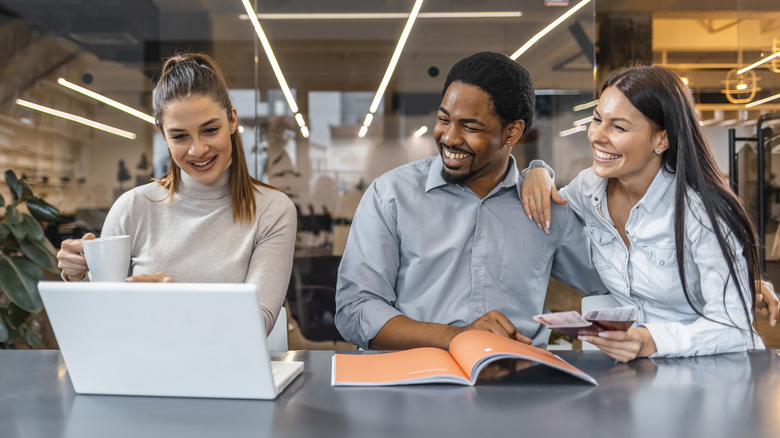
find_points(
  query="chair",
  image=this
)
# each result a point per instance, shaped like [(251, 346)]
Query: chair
[(277, 339), (596, 302), (312, 297)]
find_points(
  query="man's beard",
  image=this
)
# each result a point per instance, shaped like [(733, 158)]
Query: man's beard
[(456, 178)]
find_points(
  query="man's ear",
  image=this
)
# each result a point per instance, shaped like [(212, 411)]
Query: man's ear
[(513, 132)]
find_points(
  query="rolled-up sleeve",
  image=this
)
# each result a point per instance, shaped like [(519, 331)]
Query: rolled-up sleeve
[(365, 290)]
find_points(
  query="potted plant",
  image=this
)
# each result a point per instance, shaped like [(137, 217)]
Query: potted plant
[(24, 255)]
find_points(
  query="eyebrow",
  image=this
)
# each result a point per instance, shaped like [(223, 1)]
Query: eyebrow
[(475, 121), (614, 119), (208, 122)]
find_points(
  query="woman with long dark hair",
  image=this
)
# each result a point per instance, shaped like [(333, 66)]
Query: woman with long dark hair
[(666, 233), (207, 219)]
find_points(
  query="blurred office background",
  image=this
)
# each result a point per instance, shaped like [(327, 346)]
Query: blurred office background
[(332, 129)]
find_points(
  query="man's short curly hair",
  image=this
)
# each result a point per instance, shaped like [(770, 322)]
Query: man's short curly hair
[(506, 82)]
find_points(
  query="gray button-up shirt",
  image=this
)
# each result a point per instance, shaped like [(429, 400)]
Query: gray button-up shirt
[(437, 252)]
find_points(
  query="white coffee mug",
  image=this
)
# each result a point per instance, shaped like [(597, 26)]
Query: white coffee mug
[(108, 258)]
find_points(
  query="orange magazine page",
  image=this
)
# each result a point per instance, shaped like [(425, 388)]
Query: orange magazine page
[(474, 349), (418, 365)]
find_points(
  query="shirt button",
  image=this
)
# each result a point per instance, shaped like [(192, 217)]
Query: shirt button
[(482, 235), (662, 262), (479, 309), (481, 272)]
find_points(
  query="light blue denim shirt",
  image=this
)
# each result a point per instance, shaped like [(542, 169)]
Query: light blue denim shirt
[(437, 252), (646, 275)]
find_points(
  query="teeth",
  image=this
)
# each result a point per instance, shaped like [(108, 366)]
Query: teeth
[(204, 163), (454, 156), (605, 156)]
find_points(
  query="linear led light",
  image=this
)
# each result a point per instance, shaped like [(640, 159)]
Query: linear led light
[(756, 64), (764, 100), (275, 66), (383, 16), (106, 100), (420, 132), (396, 54), (574, 130), (77, 119), (586, 105), (390, 68), (547, 29), (584, 121)]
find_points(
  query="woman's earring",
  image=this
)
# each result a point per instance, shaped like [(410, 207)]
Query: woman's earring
[(658, 151)]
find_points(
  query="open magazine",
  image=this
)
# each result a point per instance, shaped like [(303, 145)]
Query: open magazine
[(573, 324), (470, 353)]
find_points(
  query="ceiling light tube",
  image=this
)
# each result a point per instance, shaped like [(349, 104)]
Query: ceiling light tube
[(765, 100), (396, 54), (77, 119), (270, 54), (299, 119), (586, 105), (547, 29), (574, 130), (363, 130), (420, 132), (368, 120), (106, 100), (756, 64), (382, 16), (305, 131), (584, 121)]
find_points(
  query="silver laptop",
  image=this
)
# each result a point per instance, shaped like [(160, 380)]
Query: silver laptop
[(165, 339)]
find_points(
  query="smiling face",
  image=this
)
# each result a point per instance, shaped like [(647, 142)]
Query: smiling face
[(473, 146), (624, 141), (197, 131)]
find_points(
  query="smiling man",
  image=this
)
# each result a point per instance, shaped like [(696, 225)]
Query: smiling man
[(441, 245)]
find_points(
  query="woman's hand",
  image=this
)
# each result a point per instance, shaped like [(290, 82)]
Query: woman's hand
[(70, 258), (766, 301), (536, 192), (150, 278), (624, 346)]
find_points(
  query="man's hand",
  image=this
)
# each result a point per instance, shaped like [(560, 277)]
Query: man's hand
[(624, 346), (401, 333), (496, 322), (70, 258), (536, 192)]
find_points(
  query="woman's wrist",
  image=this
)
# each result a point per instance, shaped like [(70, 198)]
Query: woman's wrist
[(67, 277), (646, 343)]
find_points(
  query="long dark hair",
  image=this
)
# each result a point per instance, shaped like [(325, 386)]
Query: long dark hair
[(196, 74), (664, 99)]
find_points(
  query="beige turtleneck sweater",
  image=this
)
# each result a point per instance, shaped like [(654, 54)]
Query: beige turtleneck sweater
[(193, 237)]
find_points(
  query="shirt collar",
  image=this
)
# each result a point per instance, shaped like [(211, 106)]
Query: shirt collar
[(658, 188), (435, 180), (655, 192)]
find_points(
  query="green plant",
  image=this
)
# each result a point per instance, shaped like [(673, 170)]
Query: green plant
[(24, 255)]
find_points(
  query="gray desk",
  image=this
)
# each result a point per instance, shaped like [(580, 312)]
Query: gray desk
[(735, 395)]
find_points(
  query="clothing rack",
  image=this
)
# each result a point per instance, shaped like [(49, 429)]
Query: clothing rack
[(760, 139)]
